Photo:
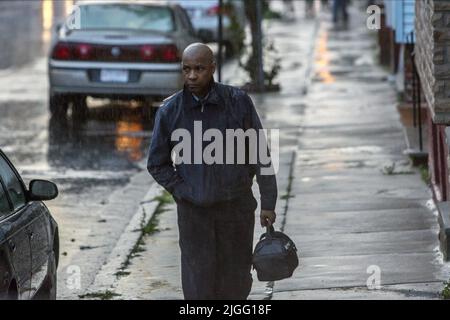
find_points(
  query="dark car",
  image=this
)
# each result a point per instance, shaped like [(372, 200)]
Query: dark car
[(29, 243)]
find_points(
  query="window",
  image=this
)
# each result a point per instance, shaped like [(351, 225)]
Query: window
[(126, 16), (187, 21), (4, 204), (12, 185)]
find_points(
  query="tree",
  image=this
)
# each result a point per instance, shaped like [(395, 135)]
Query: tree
[(261, 78)]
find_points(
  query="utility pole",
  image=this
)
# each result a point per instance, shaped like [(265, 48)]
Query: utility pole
[(219, 40), (259, 52)]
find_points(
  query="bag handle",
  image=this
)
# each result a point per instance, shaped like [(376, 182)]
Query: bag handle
[(269, 231), (268, 234)]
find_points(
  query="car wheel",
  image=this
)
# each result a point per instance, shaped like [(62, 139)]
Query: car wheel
[(79, 107), (48, 288), (58, 105)]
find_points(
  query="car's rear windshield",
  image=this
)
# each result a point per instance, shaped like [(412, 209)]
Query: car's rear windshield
[(125, 16)]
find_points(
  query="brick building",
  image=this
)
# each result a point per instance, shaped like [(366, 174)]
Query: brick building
[(432, 57)]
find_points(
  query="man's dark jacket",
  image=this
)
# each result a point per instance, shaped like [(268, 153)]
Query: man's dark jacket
[(225, 107)]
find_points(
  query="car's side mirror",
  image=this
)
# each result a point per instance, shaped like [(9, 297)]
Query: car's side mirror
[(42, 190)]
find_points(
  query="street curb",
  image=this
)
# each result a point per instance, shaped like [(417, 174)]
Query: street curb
[(106, 277)]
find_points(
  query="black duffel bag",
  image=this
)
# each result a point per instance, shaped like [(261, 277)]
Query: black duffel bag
[(275, 256)]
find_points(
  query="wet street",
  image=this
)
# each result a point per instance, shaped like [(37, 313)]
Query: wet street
[(89, 160), (338, 200), (354, 220)]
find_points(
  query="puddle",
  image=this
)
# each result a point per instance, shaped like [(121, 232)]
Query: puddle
[(322, 61)]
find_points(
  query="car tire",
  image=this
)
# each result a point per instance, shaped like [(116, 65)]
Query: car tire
[(58, 105), (79, 108), (48, 288)]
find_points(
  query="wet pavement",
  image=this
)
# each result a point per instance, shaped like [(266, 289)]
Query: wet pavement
[(98, 164), (358, 212), (339, 199), (27, 27), (154, 273), (88, 160)]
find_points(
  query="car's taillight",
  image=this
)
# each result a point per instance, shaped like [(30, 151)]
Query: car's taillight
[(73, 51), (83, 51), (141, 53), (170, 53), (159, 53), (148, 52), (62, 51)]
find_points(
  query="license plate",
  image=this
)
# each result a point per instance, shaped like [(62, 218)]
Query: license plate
[(113, 75)]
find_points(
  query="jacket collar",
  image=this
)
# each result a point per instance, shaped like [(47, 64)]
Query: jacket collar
[(211, 98)]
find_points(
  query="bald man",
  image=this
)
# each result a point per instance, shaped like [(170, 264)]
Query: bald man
[(215, 203)]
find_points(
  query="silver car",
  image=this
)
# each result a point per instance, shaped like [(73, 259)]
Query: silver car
[(123, 49)]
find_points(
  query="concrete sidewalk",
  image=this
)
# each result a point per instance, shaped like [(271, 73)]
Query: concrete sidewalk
[(360, 215), (357, 211)]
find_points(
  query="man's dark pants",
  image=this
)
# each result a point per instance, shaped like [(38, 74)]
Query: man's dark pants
[(216, 248)]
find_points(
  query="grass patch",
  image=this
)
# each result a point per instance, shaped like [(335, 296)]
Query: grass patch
[(119, 274), (286, 196), (270, 14), (425, 174), (288, 193), (107, 295), (446, 291), (164, 199), (389, 170), (146, 230), (152, 226)]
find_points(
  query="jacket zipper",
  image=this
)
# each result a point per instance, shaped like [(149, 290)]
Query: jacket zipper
[(202, 106)]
